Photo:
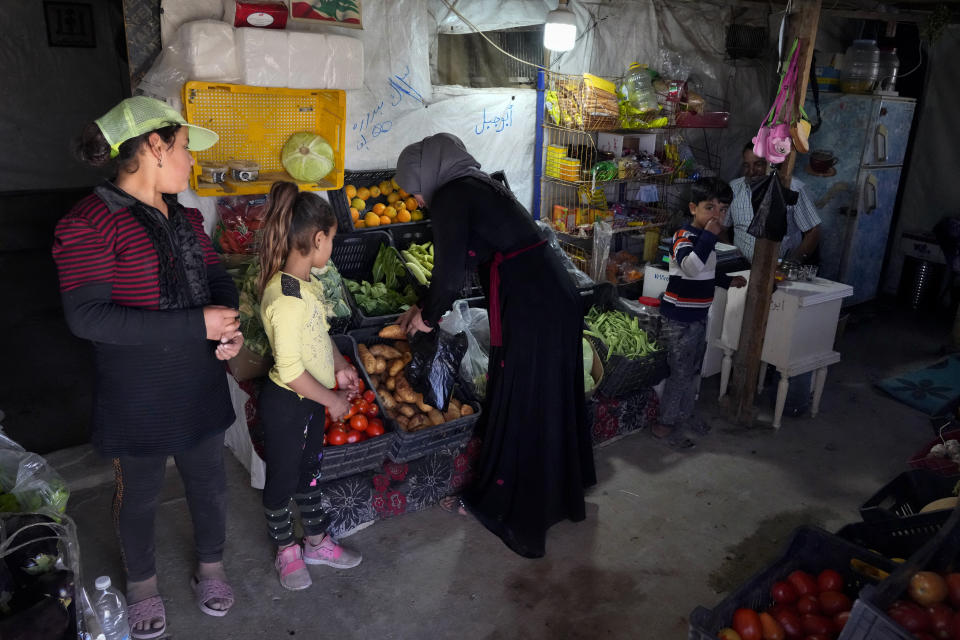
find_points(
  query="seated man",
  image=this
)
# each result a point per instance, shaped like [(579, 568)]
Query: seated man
[(803, 224)]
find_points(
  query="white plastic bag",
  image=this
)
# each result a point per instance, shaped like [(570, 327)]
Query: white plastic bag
[(580, 279), (475, 324)]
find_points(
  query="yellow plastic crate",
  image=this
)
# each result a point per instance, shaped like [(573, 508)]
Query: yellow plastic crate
[(255, 122)]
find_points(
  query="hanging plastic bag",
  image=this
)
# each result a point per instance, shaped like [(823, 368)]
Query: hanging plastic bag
[(27, 482), (580, 279), (770, 201), (602, 238), (475, 325), (433, 371)]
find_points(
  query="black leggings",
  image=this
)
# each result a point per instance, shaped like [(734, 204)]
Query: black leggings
[(137, 493), (293, 446)]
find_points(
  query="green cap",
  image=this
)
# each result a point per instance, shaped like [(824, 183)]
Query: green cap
[(139, 115)]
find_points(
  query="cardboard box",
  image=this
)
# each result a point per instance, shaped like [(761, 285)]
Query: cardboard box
[(616, 142)]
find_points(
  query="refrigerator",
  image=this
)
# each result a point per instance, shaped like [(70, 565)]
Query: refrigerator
[(868, 136)]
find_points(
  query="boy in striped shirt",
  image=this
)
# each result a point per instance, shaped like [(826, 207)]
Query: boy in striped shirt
[(685, 305)]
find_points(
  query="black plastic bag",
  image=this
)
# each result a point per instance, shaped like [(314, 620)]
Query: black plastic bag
[(770, 201), (436, 361)]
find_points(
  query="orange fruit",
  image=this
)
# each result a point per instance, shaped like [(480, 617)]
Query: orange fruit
[(350, 191), (400, 205), (378, 208), (374, 191), (359, 224), (411, 203), (417, 215), (363, 193), (390, 212), (358, 204), (403, 194), (386, 188), (393, 181), (384, 220), (354, 214), (372, 219), (393, 197), (404, 216)]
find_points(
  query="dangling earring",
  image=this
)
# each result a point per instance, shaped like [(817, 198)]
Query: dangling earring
[(159, 163)]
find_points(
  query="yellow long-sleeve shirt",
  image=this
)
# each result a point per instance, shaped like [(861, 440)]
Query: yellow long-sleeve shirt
[(294, 318)]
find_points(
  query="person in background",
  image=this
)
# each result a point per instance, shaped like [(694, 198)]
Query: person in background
[(140, 280), (803, 224), (297, 236), (798, 245), (537, 458), (684, 308)]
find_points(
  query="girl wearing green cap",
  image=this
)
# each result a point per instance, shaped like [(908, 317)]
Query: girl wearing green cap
[(139, 278)]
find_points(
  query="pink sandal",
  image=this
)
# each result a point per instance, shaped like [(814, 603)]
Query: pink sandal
[(147, 611), (212, 589)]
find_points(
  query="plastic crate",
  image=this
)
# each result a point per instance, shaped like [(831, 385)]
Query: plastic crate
[(347, 459), (625, 376), (906, 495), (868, 620), (354, 255), (940, 466), (811, 549), (341, 206), (899, 538), (450, 435), (255, 122)]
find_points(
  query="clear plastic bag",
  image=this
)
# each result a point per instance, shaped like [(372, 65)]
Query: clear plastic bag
[(27, 482), (580, 279), (602, 238), (435, 366), (475, 324)]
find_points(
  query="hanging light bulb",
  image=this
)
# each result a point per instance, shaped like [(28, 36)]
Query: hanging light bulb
[(560, 31)]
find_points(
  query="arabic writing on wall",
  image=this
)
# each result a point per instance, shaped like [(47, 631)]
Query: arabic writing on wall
[(375, 123), (495, 123)]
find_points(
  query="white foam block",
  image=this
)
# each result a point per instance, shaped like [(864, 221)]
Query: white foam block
[(324, 61), (263, 57), (209, 51)]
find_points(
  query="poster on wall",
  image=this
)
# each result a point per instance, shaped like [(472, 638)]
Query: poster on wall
[(341, 13)]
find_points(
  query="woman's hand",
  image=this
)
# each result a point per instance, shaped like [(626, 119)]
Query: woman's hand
[(411, 321), (220, 321), (348, 380), (229, 347)]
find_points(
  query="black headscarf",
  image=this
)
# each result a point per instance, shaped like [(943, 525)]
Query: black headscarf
[(423, 167)]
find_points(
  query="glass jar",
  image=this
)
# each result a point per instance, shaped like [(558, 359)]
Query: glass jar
[(889, 65), (861, 66)]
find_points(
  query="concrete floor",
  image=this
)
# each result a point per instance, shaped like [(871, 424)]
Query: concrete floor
[(665, 531)]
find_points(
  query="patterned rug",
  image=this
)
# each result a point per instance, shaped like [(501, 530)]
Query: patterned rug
[(934, 390)]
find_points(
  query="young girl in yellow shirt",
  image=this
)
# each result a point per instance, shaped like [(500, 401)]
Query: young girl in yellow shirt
[(297, 236)]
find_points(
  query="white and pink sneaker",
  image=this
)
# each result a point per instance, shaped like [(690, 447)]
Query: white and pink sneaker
[(330, 553), (291, 570)]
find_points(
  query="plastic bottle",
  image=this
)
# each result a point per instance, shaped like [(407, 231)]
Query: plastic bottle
[(640, 91), (111, 609), (889, 65), (861, 66)]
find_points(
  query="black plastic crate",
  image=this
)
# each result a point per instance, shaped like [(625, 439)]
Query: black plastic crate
[(354, 255), (895, 538), (868, 619), (347, 459), (907, 494), (450, 435), (811, 549), (420, 232), (341, 206), (625, 376)]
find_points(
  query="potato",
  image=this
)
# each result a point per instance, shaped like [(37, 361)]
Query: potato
[(381, 365), (402, 346), (418, 422), (404, 422), (436, 418), (366, 359), (407, 357), (423, 406), (391, 383), (395, 366), (392, 332), (374, 381), (405, 391), (387, 399), (466, 410), (456, 404), (452, 413), (407, 410), (385, 351)]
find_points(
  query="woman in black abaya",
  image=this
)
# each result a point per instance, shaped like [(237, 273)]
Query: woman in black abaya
[(536, 458)]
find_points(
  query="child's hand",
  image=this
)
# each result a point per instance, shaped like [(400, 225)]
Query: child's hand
[(229, 346), (738, 281), (348, 380), (341, 405), (714, 226)]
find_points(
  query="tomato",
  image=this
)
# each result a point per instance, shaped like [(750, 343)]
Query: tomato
[(927, 588), (840, 620), (784, 592), (771, 629), (363, 435), (324, 439), (361, 406), (833, 602), (359, 423), (337, 437), (374, 427), (353, 436), (746, 622), (351, 412), (339, 424), (813, 624), (910, 616), (790, 622), (808, 604), (803, 582), (362, 386), (369, 396), (372, 411), (941, 621), (830, 580), (728, 634), (953, 588)]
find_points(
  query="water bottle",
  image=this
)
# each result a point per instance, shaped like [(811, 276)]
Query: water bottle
[(111, 609), (640, 91), (889, 65)]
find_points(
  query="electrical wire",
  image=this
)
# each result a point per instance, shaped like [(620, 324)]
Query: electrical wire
[(919, 59), (492, 43)]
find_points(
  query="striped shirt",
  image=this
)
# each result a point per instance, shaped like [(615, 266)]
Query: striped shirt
[(693, 276), (160, 388), (801, 217)]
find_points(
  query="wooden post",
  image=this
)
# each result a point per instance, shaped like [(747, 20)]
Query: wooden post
[(803, 25)]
